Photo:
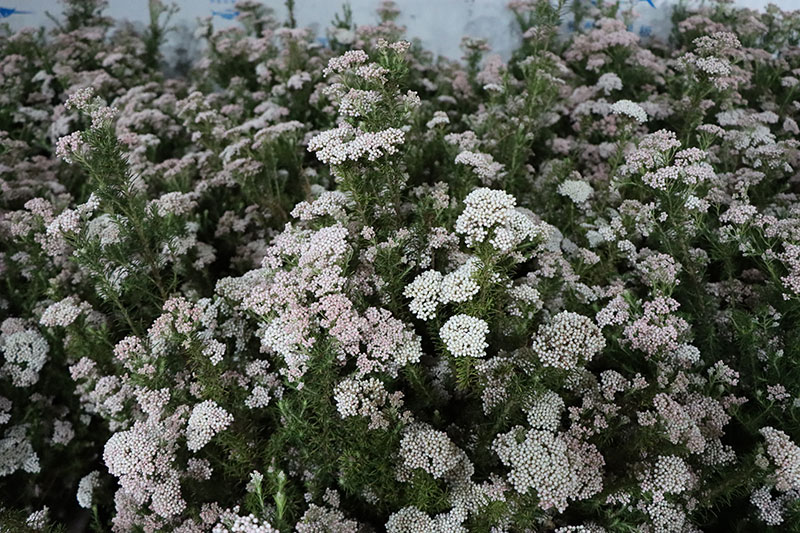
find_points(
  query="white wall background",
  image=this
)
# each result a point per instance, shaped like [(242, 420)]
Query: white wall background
[(439, 24)]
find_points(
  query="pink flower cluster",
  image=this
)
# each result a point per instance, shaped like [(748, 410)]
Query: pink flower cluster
[(283, 283)]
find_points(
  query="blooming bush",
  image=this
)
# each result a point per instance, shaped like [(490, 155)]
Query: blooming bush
[(347, 288)]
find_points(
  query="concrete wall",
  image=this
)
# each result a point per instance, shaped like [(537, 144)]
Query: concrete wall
[(440, 24)]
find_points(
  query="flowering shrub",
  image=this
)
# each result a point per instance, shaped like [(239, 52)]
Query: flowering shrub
[(351, 287)]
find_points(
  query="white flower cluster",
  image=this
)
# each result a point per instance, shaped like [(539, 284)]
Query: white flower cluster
[(484, 209), (357, 103), (346, 61), (215, 351), (609, 82), (142, 458), (544, 411), (81, 99), (231, 522), (466, 140), (587, 528), (488, 210), (713, 66), (424, 294), (175, 203), (399, 47), (199, 469), (329, 203), (364, 397), (484, 165), (557, 467), (667, 517), (439, 117), (711, 58), (465, 336), (568, 340), (525, 301), (679, 425), (16, 452), (630, 109), (411, 100), (207, 419), (5, 410), (346, 143), (25, 354), (786, 456), (37, 520), (372, 72), (281, 339), (576, 190), (63, 313), (297, 80), (671, 475), (771, 510), (62, 432), (431, 288), (104, 228), (86, 487), (460, 286), (432, 451), (411, 520), (318, 519)]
